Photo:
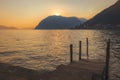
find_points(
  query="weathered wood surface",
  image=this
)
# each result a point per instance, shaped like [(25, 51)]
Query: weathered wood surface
[(83, 70)]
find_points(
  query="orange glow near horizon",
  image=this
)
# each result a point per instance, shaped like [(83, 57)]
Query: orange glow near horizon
[(30, 23), (26, 14)]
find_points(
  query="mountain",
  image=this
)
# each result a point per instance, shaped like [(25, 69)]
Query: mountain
[(108, 18), (6, 27), (59, 22)]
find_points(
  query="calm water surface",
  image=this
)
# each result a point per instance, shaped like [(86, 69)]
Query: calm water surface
[(45, 49)]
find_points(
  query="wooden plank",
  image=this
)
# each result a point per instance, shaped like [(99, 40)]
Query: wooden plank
[(83, 70), (71, 53), (107, 61), (80, 50), (87, 50)]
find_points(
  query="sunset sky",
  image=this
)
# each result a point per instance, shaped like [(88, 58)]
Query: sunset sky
[(28, 13)]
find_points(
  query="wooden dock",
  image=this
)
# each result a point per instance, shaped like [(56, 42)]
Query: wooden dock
[(83, 70)]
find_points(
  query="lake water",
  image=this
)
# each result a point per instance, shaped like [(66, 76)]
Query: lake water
[(46, 49)]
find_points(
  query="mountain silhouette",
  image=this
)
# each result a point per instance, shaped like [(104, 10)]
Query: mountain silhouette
[(109, 16), (59, 22)]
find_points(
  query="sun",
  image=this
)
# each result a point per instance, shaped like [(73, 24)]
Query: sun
[(57, 14)]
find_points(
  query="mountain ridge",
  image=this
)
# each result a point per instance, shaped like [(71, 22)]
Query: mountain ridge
[(59, 22), (112, 12), (106, 19)]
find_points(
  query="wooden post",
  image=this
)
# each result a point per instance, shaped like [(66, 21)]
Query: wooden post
[(71, 53), (80, 49), (107, 61), (87, 48)]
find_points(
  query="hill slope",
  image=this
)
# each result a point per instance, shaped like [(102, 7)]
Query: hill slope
[(109, 16), (59, 22)]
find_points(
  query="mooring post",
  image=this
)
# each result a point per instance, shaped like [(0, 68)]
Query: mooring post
[(80, 49), (71, 53), (107, 61), (87, 48)]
